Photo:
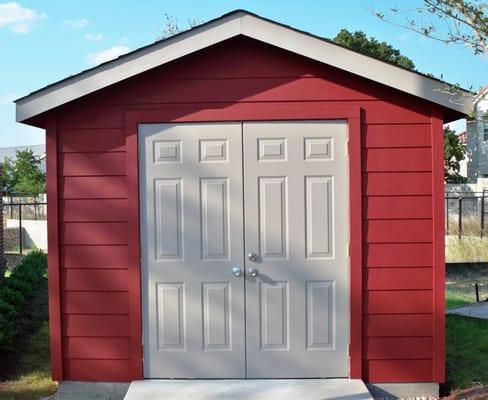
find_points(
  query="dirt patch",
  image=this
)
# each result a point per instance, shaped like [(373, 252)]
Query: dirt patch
[(476, 393)]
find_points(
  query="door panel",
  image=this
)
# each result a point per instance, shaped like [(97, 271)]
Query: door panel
[(290, 200), (192, 237), (296, 202)]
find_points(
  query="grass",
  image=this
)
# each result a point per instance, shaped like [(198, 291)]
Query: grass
[(466, 338), (454, 299), (32, 377), (460, 282), (468, 249), (467, 349), (471, 226)]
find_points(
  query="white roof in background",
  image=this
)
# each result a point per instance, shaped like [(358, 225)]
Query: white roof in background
[(39, 151), (255, 27)]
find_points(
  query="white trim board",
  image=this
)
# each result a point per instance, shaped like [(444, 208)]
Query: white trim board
[(226, 27)]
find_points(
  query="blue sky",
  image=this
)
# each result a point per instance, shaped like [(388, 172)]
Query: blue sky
[(44, 41)]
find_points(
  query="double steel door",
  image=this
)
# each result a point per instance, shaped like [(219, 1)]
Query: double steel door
[(244, 230)]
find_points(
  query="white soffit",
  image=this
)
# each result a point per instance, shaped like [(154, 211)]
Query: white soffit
[(226, 27)]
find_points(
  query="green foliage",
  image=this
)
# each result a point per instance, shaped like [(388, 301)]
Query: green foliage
[(453, 154), (27, 280), (358, 41), (23, 175), (28, 371), (467, 346), (8, 175)]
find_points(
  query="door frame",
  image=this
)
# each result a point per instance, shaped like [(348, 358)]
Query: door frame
[(352, 114)]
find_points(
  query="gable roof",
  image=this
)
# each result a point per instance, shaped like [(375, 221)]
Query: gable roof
[(244, 23)]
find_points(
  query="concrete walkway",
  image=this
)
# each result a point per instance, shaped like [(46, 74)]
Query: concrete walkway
[(474, 310), (257, 389)]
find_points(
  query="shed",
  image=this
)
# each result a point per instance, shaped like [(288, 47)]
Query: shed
[(245, 200)]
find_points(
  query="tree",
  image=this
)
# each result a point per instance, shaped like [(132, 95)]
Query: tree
[(455, 21), (358, 41), (171, 26), (8, 175), (23, 175), (453, 155)]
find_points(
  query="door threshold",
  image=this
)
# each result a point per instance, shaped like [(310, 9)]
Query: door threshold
[(248, 389)]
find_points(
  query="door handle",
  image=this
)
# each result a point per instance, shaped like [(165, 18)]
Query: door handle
[(253, 272), (252, 257), (237, 272)]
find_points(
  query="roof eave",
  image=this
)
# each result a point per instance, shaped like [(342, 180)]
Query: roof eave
[(252, 26)]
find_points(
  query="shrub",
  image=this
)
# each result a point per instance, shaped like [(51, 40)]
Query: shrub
[(27, 281)]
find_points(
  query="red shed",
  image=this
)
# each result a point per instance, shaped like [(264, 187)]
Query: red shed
[(245, 200)]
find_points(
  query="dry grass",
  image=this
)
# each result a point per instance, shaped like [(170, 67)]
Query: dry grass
[(466, 249), (471, 226)]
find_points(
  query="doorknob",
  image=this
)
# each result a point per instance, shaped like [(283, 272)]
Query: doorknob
[(237, 272), (252, 257), (253, 272)]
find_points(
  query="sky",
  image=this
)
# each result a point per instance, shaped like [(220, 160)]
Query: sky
[(42, 42)]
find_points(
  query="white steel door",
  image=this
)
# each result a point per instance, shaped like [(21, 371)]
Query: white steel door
[(282, 189), (192, 237), (296, 235)]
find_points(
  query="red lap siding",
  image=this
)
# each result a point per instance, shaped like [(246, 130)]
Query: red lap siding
[(95, 325), (397, 278), (93, 256), (96, 348), (397, 207), (93, 187), (399, 371), (377, 255), (87, 302), (97, 370), (398, 302), (91, 164), (398, 348), (391, 325), (95, 279), (245, 80), (100, 210)]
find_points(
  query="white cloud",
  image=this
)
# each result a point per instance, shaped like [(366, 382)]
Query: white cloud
[(76, 23), (106, 55), (94, 36), (17, 18)]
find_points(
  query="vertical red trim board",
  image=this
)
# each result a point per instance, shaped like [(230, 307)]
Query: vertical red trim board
[(53, 249), (355, 246), (439, 269), (265, 113), (133, 220)]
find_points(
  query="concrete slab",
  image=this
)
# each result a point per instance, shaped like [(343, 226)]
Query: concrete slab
[(249, 389), (73, 390), (474, 310), (394, 391)]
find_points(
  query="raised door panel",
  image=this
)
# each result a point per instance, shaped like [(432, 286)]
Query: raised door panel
[(296, 216), (192, 237)]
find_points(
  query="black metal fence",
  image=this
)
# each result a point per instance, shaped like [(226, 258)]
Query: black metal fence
[(18, 212), (466, 213)]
